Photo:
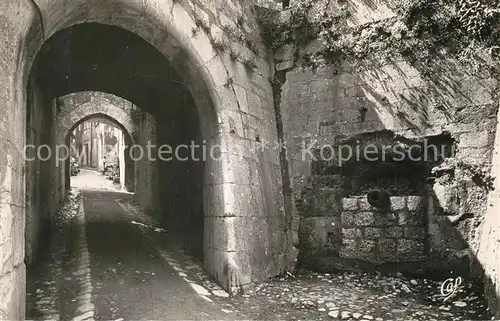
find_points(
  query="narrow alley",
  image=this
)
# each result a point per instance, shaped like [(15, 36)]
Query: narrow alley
[(117, 273)]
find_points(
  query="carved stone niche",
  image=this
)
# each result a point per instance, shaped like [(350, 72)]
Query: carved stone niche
[(383, 216)]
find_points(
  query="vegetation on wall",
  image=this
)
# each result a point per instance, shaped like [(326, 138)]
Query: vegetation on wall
[(234, 35), (297, 28), (422, 29)]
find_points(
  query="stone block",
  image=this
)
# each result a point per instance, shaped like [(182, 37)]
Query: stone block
[(238, 170), (351, 233), (373, 232), (411, 218), (332, 224), (367, 246), (385, 219), (325, 202), (347, 219), (350, 204), (312, 233), (222, 237), (227, 267), (285, 52), (415, 203), (363, 219), (447, 198), (348, 248), (364, 205), (295, 238), (286, 65), (410, 249), (398, 203), (393, 232), (415, 233), (388, 249), (13, 294)]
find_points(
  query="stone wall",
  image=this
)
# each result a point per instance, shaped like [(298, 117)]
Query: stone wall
[(326, 105), (489, 243), (440, 99), (398, 235), (146, 171), (233, 98), (77, 107)]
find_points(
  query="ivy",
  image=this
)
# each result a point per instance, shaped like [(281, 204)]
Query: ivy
[(461, 23), (422, 29)]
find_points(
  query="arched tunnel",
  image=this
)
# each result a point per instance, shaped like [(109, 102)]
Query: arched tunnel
[(191, 115), (89, 58), (123, 64)]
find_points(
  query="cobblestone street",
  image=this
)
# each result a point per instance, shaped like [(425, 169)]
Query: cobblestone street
[(353, 296)]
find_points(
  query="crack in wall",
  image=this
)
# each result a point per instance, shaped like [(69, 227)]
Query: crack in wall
[(42, 25)]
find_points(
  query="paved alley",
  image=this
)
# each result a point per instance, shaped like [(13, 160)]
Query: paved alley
[(126, 277)]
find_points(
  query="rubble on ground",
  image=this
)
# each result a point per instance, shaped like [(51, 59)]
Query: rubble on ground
[(364, 296)]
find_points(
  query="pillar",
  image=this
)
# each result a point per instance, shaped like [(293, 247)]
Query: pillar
[(121, 158)]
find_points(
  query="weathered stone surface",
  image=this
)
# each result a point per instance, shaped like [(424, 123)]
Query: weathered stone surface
[(367, 246), (415, 233), (388, 249), (394, 232), (12, 298), (347, 219), (363, 204), (285, 52), (410, 250), (373, 232), (168, 27), (411, 218), (363, 218), (350, 204), (489, 250), (351, 233), (398, 203), (415, 203), (319, 234)]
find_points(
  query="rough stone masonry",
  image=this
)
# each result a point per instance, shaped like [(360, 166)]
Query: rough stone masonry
[(384, 97), (258, 207)]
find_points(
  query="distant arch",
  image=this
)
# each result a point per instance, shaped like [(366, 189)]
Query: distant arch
[(78, 107)]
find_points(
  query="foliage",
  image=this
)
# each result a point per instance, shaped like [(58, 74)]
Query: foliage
[(458, 25), (422, 29), (218, 45), (297, 28)]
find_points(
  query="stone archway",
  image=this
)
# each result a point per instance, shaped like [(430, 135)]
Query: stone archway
[(77, 107), (248, 237)]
